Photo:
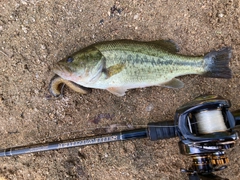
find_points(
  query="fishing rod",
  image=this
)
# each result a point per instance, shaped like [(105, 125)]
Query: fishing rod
[(205, 126)]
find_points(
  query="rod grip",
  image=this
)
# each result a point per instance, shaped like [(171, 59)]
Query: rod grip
[(161, 130)]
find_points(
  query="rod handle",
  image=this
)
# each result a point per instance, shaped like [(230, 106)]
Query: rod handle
[(161, 130)]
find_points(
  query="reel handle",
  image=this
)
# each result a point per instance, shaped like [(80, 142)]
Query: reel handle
[(236, 115)]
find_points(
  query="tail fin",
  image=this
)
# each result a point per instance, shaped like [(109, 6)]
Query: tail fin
[(217, 63)]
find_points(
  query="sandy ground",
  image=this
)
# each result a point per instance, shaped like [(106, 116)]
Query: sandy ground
[(36, 34)]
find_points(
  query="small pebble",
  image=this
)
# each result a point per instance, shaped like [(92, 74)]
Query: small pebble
[(149, 107), (220, 15), (136, 16), (25, 30)]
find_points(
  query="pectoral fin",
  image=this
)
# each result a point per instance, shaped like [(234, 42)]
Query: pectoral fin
[(118, 91), (174, 83), (112, 70)]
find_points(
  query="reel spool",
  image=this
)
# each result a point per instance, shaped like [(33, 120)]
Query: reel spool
[(205, 127), (210, 121)]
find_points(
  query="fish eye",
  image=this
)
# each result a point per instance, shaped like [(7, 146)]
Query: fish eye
[(70, 59)]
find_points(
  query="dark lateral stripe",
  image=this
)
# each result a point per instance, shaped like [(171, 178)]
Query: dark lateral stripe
[(155, 61)]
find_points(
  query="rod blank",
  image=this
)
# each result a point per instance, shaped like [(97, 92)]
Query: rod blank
[(124, 135)]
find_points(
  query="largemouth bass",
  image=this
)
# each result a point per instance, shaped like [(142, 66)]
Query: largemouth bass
[(126, 64)]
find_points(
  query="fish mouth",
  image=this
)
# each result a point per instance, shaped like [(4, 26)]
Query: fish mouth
[(62, 71)]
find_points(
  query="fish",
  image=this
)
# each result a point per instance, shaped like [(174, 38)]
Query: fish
[(120, 65), (57, 84)]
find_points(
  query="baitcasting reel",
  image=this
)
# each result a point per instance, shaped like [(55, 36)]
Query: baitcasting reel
[(205, 128)]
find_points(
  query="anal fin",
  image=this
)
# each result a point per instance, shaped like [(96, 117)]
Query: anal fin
[(174, 83)]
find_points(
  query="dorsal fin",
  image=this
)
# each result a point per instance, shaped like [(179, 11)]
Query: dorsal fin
[(168, 45)]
